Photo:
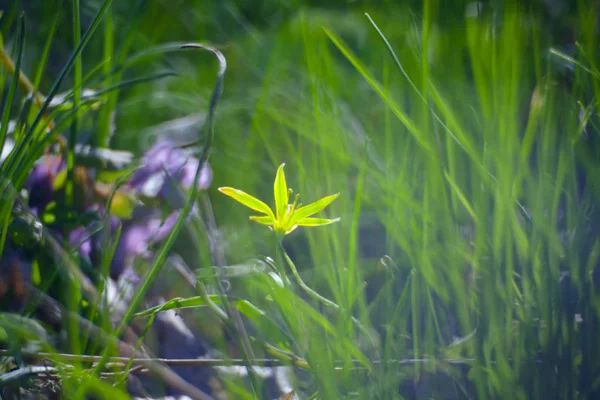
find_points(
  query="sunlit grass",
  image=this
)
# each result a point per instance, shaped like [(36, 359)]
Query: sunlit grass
[(464, 260)]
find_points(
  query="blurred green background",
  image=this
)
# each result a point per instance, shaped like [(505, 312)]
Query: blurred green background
[(467, 165)]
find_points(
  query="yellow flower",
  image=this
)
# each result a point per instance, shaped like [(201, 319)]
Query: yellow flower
[(286, 217)]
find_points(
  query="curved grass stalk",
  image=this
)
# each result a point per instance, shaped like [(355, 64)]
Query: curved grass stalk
[(209, 303), (170, 241), (303, 285), (321, 299)]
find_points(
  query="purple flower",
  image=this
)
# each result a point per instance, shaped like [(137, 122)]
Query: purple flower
[(90, 240), (138, 238), (81, 240), (165, 168), (41, 180), (186, 179)]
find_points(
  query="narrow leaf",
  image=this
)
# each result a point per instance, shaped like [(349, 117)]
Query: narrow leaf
[(44, 56), (262, 321), (461, 197), (8, 103), (255, 314), (177, 303), (402, 115), (14, 162)]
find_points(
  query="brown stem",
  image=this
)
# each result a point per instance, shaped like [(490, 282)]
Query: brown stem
[(27, 86), (64, 261), (56, 310)]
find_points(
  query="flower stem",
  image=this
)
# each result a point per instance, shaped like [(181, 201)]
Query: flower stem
[(279, 263), (286, 356), (317, 296), (303, 285), (211, 304)]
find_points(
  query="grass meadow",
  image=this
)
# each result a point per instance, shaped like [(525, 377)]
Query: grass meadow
[(461, 137)]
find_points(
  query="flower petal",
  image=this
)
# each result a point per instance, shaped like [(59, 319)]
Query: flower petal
[(247, 200), (316, 221), (307, 211), (281, 193), (290, 230), (263, 219)]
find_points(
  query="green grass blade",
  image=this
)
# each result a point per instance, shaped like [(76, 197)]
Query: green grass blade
[(15, 161), (41, 65), (77, 84), (10, 98), (417, 134)]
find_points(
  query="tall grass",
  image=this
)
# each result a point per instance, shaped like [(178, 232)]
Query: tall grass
[(464, 150)]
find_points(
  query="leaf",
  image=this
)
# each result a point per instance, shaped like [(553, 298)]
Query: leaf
[(59, 180), (61, 100), (247, 200), (107, 176), (303, 309), (177, 303), (307, 211), (461, 197), (29, 136), (254, 266), (18, 326), (9, 101), (281, 193), (262, 321), (255, 314), (122, 205), (400, 113), (316, 221)]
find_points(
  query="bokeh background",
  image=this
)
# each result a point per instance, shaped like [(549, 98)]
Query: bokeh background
[(462, 137)]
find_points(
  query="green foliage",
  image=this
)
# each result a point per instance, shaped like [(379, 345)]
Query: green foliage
[(464, 149)]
